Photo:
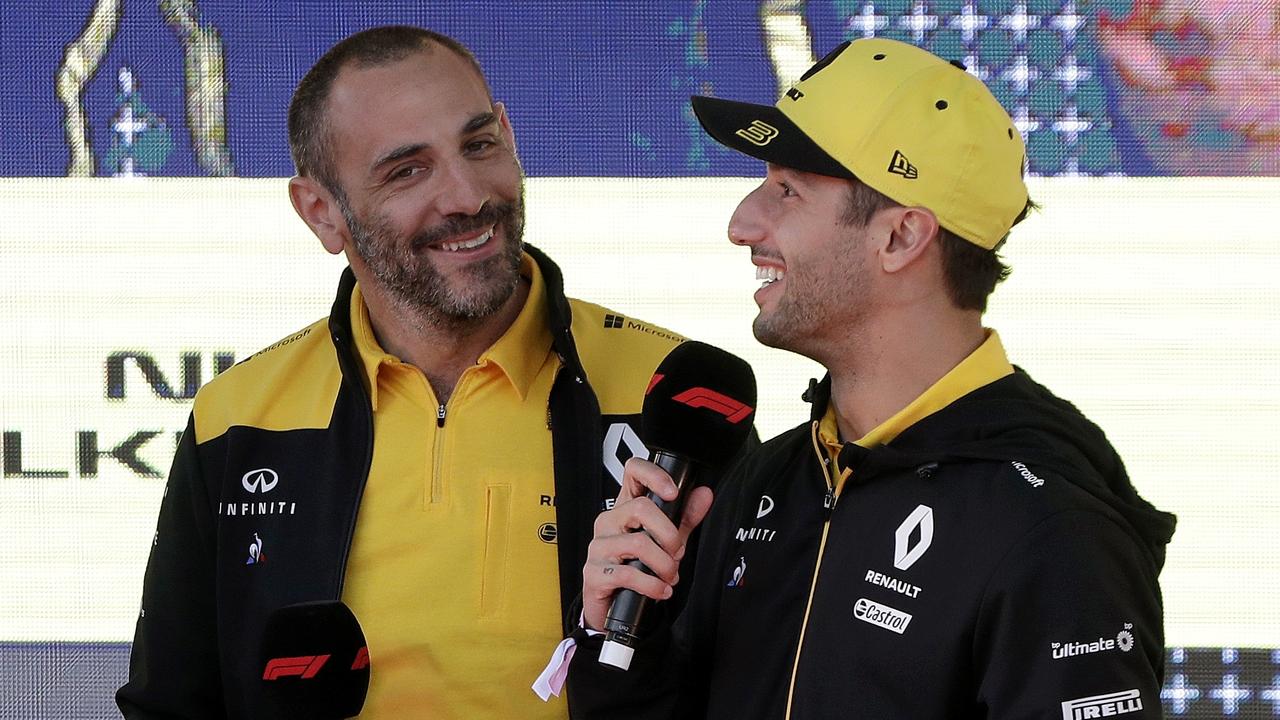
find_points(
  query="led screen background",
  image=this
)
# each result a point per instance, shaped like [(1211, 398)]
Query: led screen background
[(1144, 291)]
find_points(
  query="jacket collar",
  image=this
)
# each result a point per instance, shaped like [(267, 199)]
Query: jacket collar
[(983, 366)]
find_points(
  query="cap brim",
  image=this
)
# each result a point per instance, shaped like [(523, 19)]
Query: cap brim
[(779, 141)]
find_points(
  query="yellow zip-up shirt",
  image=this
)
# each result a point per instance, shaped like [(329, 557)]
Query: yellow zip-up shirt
[(452, 572)]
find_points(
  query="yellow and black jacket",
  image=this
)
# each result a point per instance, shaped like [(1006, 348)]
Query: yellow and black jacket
[(991, 561), (298, 414)]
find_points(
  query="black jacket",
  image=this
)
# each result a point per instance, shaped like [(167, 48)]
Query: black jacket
[(196, 647), (992, 561)]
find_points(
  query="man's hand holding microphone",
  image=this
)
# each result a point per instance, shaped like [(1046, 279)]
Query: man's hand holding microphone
[(697, 415)]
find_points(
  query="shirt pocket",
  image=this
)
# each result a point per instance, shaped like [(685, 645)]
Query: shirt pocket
[(497, 520)]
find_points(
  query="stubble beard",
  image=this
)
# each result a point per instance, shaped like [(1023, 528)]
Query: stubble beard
[(812, 308), (427, 296), (784, 327)]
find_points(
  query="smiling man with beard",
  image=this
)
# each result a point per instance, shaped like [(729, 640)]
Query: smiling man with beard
[(433, 454)]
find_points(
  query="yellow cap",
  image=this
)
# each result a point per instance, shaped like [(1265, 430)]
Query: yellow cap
[(906, 122)]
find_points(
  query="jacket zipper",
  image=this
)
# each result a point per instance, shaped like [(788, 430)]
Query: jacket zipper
[(437, 461), (829, 504)]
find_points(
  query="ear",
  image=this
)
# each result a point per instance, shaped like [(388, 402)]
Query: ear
[(320, 211), (504, 120), (912, 231)]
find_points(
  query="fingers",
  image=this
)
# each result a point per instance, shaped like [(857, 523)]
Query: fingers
[(602, 580), (606, 571), (618, 540), (641, 476), (696, 507), (635, 511)]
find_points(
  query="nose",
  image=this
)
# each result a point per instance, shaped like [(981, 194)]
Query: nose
[(745, 227), (463, 189)]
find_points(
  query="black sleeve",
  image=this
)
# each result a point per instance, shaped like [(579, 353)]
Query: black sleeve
[(649, 690), (173, 669), (669, 675), (1071, 625)]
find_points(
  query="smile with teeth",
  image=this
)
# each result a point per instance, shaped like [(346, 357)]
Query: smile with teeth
[(769, 274), (474, 242)]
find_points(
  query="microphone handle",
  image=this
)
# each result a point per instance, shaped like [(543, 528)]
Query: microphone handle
[(623, 621)]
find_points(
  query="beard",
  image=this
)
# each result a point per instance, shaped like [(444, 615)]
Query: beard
[(404, 268), (820, 303)]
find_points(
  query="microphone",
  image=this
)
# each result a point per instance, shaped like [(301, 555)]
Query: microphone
[(315, 662), (697, 413)]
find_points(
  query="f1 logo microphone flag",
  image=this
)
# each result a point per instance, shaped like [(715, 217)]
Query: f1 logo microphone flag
[(733, 410), (303, 666)]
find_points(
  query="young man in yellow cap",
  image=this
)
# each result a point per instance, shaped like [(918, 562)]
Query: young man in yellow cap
[(944, 537)]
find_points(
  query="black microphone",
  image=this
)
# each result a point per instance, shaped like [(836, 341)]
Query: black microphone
[(315, 662), (697, 413)]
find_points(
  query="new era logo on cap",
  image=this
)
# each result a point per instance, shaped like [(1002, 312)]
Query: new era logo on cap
[(900, 165), (758, 133)]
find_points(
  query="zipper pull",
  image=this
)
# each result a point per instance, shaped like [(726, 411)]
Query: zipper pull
[(829, 501), (440, 416)]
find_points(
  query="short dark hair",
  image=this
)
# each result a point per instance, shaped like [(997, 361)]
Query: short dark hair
[(308, 125), (971, 271)]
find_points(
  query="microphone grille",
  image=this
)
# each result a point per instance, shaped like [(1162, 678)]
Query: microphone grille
[(700, 404)]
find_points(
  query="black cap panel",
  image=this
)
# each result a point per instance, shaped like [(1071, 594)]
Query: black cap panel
[(764, 132)]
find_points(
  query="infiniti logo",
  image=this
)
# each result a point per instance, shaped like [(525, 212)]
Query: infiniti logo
[(262, 480), (766, 506)]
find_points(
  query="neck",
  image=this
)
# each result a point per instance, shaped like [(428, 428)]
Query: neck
[(889, 364), (442, 348)]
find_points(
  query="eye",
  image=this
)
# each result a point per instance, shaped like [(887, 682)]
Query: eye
[(478, 146), (406, 171), (787, 190)]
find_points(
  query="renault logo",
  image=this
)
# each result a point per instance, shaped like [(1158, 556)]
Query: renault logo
[(904, 553), (262, 480)]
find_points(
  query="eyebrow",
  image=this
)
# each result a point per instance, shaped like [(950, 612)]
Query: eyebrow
[(475, 123), (799, 177), (787, 172), (479, 121)]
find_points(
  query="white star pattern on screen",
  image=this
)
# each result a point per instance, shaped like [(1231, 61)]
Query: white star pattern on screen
[(1230, 694), (1179, 694), (1005, 61), (1067, 22), (1271, 694), (969, 22), (1019, 22), (868, 23), (919, 23)]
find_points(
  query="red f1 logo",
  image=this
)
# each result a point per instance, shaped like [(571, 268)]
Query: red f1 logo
[(362, 659), (657, 378), (701, 397), (304, 666)]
